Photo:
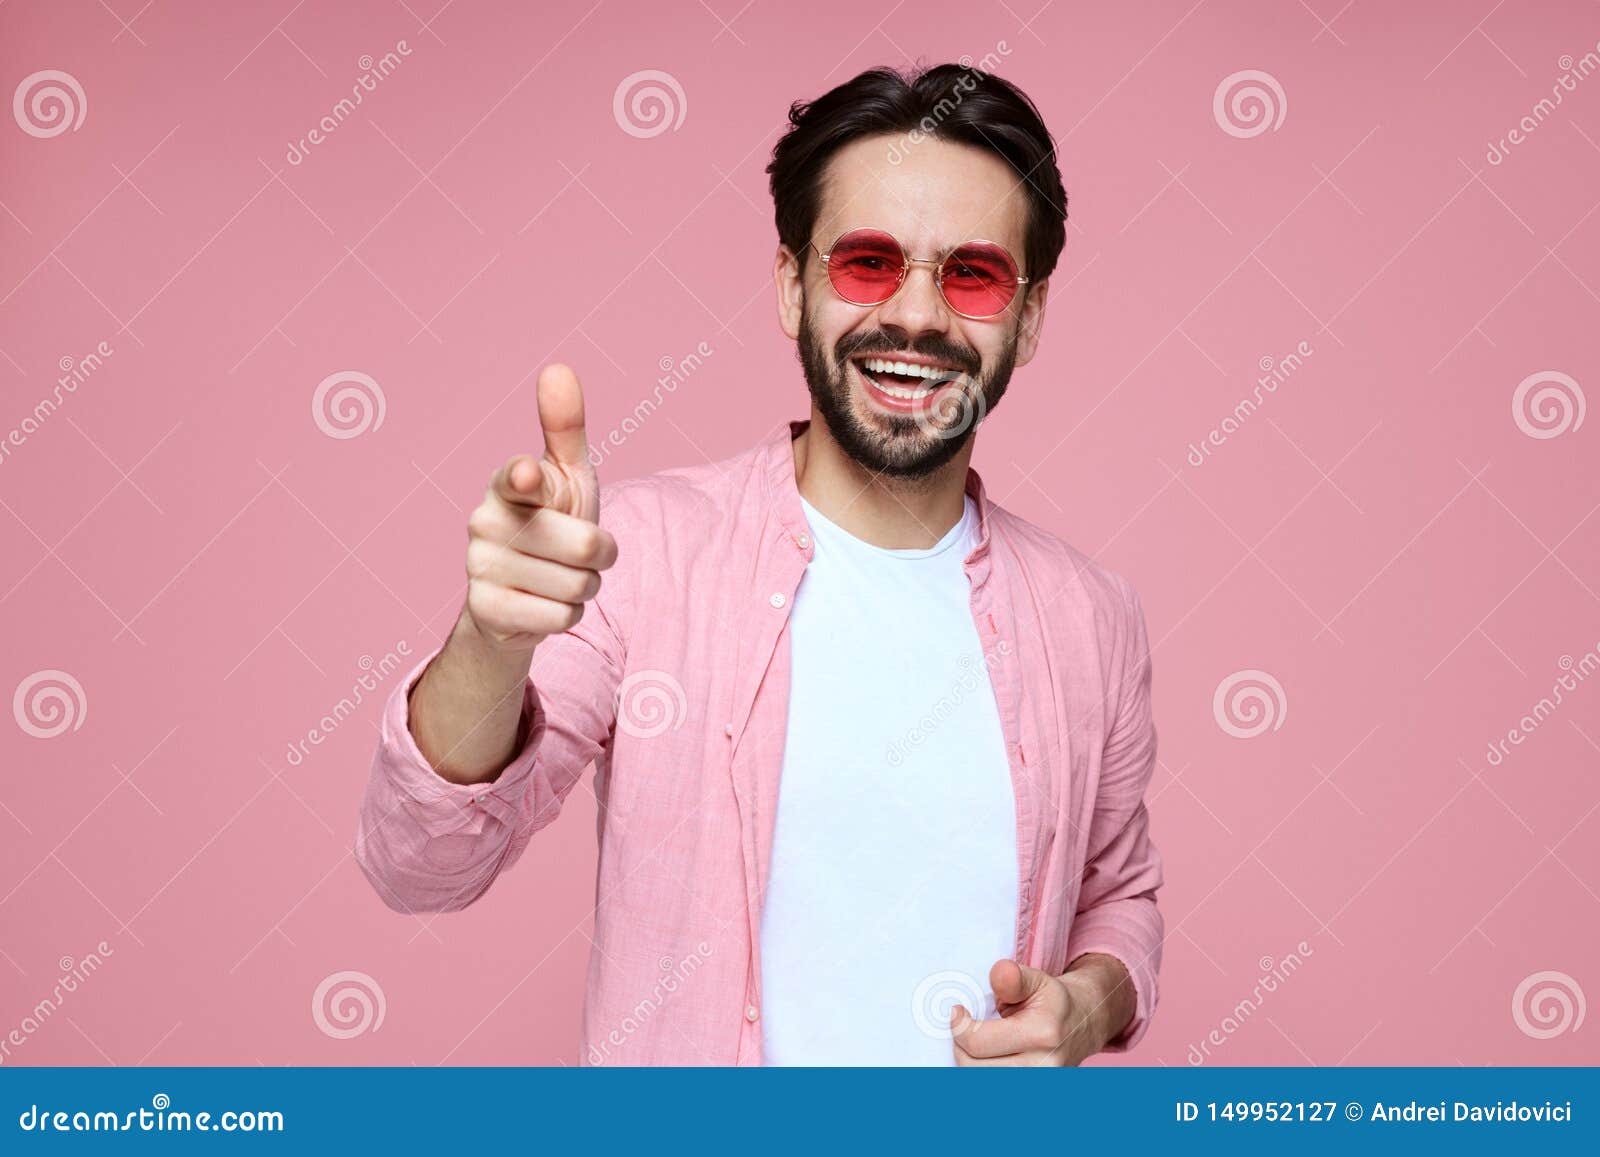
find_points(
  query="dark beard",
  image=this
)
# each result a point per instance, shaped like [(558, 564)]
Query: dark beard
[(907, 448)]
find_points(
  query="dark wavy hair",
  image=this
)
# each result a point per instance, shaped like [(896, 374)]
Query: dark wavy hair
[(949, 102)]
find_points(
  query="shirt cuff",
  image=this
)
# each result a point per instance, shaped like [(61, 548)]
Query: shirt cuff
[(442, 807), (1125, 936)]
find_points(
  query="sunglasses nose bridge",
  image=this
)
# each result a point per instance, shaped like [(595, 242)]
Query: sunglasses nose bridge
[(904, 294)]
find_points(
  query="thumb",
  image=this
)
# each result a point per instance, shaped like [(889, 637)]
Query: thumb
[(561, 417), (1014, 983)]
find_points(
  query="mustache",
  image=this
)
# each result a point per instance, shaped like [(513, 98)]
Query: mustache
[(883, 341)]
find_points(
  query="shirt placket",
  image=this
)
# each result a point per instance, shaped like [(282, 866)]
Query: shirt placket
[(1000, 657), (755, 779)]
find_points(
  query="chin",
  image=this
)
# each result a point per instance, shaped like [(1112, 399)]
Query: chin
[(892, 445)]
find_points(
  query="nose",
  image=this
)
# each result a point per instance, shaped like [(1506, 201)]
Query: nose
[(919, 305)]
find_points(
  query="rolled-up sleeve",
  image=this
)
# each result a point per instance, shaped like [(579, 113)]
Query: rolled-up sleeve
[(425, 843), (1117, 913)]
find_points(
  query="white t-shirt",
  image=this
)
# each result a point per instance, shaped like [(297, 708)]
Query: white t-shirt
[(893, 882)]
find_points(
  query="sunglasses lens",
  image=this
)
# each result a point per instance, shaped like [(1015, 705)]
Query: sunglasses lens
[(866, 266), (979, 280)]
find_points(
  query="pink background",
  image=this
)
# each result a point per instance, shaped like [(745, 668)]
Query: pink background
[(1382, 536)]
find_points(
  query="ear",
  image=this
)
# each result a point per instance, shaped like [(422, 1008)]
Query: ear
[(790, 283), (1031, 324)]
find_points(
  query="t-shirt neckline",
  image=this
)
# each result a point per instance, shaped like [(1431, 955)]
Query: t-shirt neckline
[(821, 524)]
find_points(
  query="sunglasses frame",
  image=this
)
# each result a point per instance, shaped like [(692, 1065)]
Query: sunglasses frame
[(907, 261)]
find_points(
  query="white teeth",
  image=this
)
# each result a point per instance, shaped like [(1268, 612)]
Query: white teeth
[(933, 374)]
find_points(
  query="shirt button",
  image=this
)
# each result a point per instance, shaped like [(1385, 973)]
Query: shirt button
[(777, 599), (751, 1013), (727, 729), (803, 541)]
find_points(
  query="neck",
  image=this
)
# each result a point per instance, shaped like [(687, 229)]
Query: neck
[(887, 511)]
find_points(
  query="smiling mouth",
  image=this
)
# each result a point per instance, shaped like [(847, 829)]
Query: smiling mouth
[(905, 382)]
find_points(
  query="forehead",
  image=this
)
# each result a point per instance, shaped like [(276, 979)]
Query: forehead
[(932, 194)]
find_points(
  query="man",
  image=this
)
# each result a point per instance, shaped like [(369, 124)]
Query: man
[(870, 751)]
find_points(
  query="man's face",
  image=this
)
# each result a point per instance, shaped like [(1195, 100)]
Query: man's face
[(937, 196)]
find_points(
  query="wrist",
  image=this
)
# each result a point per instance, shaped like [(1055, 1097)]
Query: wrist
[(1100, 986), (465, 711), (501, 660)]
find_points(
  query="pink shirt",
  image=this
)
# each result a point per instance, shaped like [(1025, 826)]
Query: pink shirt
[(675, 685)]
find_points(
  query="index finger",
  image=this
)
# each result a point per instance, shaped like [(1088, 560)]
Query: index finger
[(523, 481)]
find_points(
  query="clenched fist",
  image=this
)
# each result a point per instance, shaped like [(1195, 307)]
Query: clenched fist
[(535, 548)]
